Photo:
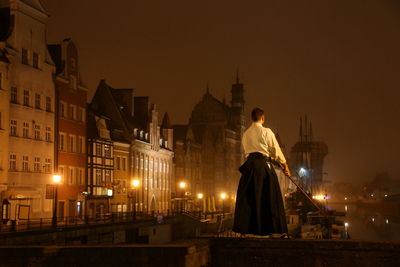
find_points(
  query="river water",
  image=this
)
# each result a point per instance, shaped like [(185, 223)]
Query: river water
[(367, 224)]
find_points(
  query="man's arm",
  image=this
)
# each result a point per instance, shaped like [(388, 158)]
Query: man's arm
[(276, 152)]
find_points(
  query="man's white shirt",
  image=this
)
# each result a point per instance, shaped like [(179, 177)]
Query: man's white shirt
[(257, 138)]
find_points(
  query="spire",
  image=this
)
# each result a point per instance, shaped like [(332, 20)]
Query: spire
[(166, 122), (301, 129), (207, 88), (311, 135), (306, 128), (237, 75)]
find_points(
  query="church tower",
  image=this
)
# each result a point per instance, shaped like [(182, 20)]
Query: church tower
[(237, 106)]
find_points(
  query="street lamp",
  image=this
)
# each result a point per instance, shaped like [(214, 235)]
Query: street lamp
[(56, 181), (135, 184), (223, 197), (182, 186)]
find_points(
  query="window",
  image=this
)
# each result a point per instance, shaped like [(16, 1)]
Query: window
[(61, 142), (98, 150), (25, 56), (71, 112), (81, 144), (62, 110), (37, 101), (14, 95), (71, 143), (61, 172), (80, 115), (108, 175), (107, 151), (47, 165), (80, 176), (36, 128), (36, 164), (26, 98), (35, 60), (13, 128), (13, 162), (25, 163), (124, 164), (48, 103), (25, 130), (48, 134), (71, 175), (117, 163)]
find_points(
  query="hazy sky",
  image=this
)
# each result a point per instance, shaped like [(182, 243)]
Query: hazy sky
[(336, 60)]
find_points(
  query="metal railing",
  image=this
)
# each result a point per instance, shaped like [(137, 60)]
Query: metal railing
[(76, 221)]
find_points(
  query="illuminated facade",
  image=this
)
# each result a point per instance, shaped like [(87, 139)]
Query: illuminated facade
[(31, 109), (134, 121), (4, 114), (70, 127), (100, 176), (209, 150)]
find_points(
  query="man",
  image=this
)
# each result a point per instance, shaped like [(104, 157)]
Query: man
[(259, 205)]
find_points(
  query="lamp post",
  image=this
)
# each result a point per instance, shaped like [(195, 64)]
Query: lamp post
[(135, 184), (223, 197), (56, 181), (199, 198), (182, 186)]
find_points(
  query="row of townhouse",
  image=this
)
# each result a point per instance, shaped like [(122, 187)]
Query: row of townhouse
[(47, 128)]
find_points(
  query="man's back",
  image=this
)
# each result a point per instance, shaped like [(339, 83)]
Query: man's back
[(260, 139)]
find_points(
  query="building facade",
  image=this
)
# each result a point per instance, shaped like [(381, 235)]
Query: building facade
[(31, 110), (70, 160), (209, 149), (100, 175), (4, 125), (134, 121), (121, 201)]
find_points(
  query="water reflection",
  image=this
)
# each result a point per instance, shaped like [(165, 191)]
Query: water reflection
[(369, 224)]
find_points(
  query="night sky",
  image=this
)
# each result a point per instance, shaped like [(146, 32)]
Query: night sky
[(338, 61)]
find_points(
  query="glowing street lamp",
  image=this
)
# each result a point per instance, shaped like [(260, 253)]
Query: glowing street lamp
[(182, 186), (135, 183), (223, 197), (56, 181), (200, 196)]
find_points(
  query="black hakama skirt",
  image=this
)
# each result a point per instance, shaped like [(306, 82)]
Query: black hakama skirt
[(259, 205)]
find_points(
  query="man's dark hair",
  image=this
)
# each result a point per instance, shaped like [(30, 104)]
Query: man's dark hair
[(256, 114)]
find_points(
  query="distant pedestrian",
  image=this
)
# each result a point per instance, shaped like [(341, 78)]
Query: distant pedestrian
[(259, 205)]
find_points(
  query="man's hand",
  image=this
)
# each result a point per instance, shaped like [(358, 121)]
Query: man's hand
[(286, 170)]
